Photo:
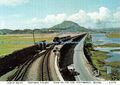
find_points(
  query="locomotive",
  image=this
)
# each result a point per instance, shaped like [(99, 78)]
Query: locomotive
[(61, 39)]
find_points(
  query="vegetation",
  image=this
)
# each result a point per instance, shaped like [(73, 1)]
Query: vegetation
[(113, 64), (113, 35), (88, 47), (10, 43), (25, 31), (96, 59), (115, 50), (109, 45), (115, 75), (69, 26), (66, 26)]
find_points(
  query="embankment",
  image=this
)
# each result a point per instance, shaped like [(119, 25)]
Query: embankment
[(10, 61)]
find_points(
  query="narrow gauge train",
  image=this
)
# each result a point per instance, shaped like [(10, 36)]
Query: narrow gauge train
[(58, 40)]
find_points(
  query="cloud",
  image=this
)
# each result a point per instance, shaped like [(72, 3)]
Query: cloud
[(49, 20), (2, 24), (52, 20), (55, 19), (34, 20), (117, 15), (80, 17), (94, 16), (104, 14), (12, 2), (103, 18)]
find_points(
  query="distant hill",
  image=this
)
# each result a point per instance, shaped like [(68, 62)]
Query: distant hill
[(5, 31), (25, 31), (69, 26), (66, 26)]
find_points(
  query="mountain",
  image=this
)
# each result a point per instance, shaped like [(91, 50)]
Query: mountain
[(25, 31), (5, 31), (66, 26), (69, 26)]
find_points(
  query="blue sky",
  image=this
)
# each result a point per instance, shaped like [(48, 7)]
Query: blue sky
[(21, 14)]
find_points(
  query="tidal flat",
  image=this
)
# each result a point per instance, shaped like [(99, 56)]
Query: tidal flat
[(113, 35), (105, 55)]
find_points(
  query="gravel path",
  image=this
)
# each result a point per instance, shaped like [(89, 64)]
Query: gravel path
[(33, 73)]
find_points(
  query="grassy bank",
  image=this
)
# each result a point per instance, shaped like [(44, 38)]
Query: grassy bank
[(113, 64), (98, 61), (98, 58), (113, 35), (9, 47)]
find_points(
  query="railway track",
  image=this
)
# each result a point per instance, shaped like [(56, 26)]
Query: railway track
[(20, 73), (44, 74), (44, 66)]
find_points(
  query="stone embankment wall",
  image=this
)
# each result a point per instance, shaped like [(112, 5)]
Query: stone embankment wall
[(10, 61)]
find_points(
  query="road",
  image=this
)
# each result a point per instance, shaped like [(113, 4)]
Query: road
[(33, 72), (80, 64)]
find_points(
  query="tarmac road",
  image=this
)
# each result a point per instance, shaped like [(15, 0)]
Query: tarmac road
[(80, 65)]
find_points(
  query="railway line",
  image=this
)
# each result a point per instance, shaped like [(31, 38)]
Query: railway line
[(44, 67), (44, 74), (20, 73)]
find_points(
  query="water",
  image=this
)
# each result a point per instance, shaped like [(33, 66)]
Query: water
[(107, 49), (115, 57), (109, 69), (101, 39)]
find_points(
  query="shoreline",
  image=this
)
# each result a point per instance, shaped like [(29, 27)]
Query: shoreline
[(98, 57)]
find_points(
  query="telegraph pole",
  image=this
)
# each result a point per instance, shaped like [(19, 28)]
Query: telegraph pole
[(33, 37)]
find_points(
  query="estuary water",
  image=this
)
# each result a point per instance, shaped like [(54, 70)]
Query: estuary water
[(101, 39)]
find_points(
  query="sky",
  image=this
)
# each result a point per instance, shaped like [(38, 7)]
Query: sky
[(30, 14)]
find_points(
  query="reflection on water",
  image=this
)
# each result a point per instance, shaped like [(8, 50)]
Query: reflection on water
[(102, 39), (107, 49), (110, 68), (115, 57)]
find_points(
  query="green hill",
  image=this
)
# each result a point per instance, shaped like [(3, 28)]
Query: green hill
[(68, 26), (5, 31)]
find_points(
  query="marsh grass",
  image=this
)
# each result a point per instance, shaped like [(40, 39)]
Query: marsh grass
[(109, 45), (10, 46), (98, 58), (113, 35)]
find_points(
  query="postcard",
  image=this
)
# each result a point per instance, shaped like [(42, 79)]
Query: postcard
[(75, 41)]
